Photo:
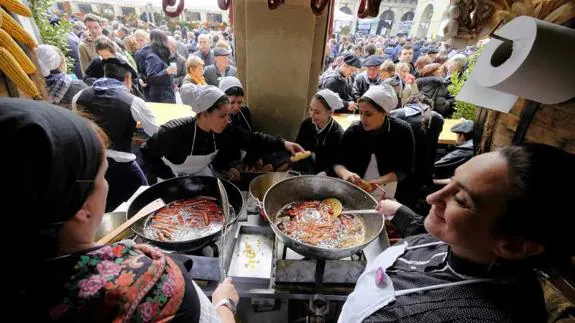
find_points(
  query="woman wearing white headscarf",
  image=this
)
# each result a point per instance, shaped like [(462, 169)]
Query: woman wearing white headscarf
[(204, 143), (189, 146), (320, 134), (61, 88), (380, 149)]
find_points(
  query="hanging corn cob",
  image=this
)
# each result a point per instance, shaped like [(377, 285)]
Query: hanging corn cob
[(15, 6), (10, 67), (15, 30), (9, 44)]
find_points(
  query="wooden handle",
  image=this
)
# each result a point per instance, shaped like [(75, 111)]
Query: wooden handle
[(153, 206)]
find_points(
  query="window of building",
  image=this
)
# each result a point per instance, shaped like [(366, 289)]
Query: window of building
[(194, 16), (85, 8), (128, 11), (215, 17)]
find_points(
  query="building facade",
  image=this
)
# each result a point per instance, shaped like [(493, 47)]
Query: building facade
[(428, 17), (198, 10), (395, 17)]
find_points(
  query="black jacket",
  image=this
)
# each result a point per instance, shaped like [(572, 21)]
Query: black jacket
[(393, 145), (436, 88), (445, 167), (160, 83), (212, 75), (174, 142), (94, 71), (362, 83), (426, 137), (238, 136), (341, 85), (323, 145)]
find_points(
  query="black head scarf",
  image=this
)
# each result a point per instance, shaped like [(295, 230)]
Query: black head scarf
[(50, 159)]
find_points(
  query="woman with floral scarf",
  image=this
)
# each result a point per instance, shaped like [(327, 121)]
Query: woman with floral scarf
[(57, 198)]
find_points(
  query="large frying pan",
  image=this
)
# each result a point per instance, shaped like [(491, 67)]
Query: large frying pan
[(318, 188), (184, 188)]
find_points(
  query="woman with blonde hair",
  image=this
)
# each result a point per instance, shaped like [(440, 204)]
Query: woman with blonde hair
[(195, 71), (410, 86)]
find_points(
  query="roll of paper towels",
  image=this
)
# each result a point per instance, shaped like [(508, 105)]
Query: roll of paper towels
[(537, 65)]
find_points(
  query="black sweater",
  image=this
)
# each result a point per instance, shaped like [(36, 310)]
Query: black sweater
[(174, 142), (324, 145), (393, 145)]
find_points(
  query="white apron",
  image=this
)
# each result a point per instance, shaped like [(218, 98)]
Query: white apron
[(368, 297), (243, 153), (198, 165), (372, 172)]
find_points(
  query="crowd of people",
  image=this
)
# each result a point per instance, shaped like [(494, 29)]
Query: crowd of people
[(353, 63), (162, 59)]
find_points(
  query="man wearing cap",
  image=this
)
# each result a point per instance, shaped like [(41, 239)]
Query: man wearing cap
[(379, 150), (117, 111), (320, 134), (340, 81), (220, 68), (367, 78), (445, 167)]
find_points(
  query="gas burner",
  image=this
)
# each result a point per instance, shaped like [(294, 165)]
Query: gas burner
[(297, 274)]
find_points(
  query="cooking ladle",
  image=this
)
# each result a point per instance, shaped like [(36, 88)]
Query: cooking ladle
[(338, 210)]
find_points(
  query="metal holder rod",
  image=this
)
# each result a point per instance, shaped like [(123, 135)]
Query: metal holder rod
[(319, 271), (503, 39)]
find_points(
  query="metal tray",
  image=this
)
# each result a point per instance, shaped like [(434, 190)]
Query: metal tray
[(252, 258)]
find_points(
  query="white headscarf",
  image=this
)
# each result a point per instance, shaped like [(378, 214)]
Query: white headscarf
[(384, 95), (228, 82), (200, 97), (48, 58), (332, 99)]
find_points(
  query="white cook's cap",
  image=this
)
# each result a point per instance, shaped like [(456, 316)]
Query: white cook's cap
[(384, 95), (332, 99), (228, 82), (200, 97)]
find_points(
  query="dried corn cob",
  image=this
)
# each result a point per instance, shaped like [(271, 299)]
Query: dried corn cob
[(10, 67), (16, 7), (15, 30), (9, 44)]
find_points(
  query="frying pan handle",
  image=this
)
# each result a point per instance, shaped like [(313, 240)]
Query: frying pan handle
[(234, 219), (258, 203), (293, 172)]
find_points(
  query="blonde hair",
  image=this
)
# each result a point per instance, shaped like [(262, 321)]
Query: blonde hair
[(387, 66), (401, 66), (194, 61), (141, 34), (130, 44)]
